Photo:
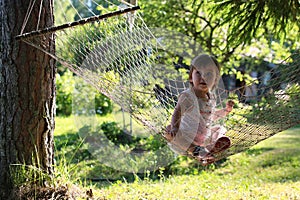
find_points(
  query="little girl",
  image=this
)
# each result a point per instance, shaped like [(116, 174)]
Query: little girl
[(191, 129)]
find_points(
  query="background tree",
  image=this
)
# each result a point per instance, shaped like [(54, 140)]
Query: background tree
[(27, 92), (245, 18), (231, 29), (192, 19)]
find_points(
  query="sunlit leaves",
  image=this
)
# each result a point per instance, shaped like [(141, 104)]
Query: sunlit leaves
[(276, 17), (231, 29)]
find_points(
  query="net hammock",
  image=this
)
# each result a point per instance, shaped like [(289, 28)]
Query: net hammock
[(113, 50)]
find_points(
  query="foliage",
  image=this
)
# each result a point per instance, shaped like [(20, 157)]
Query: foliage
[(103, 105), (63, 12), (93, 6), (75, 148), (116, 135), (190, 19), (283, 103), (64, 89), (67, 89), (246, 18), (217, 27), (87, 100)]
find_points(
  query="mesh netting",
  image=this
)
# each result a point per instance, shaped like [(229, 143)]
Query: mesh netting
[(119, 56)]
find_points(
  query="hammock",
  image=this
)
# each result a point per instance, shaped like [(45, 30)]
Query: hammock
[(115, 52)]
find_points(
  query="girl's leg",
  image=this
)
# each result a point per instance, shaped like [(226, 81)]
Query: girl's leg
[(182, 141), (220, 145), (219, 142)]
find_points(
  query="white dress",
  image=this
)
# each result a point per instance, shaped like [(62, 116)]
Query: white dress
[(196, 123)]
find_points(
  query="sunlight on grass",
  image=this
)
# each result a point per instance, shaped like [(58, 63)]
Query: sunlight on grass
[(64, 125), (203, 186), (243, 176), (269, 170)]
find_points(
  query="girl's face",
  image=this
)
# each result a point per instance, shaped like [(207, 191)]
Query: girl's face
[(203, 78)]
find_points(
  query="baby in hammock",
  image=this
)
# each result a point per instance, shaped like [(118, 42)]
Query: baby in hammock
[(190, 130)]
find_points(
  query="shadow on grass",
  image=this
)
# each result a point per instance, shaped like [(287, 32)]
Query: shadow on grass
[(282, 164), (71, 148), (283, 159), (279, 154), (258, 151)]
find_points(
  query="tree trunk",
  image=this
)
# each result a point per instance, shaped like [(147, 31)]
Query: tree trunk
[(27, 96)]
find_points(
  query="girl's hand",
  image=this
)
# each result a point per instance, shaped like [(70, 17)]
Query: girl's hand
[(170, 133), (173, 132), (229, 106)]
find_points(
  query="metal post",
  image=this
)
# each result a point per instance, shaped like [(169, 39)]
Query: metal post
[(132, 2)]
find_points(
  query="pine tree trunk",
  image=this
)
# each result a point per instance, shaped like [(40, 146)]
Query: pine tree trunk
[(27, 95)]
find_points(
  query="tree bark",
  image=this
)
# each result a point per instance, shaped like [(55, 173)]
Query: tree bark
[(27, 96)]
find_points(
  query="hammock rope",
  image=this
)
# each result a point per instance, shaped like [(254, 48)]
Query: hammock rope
[(121, 60)]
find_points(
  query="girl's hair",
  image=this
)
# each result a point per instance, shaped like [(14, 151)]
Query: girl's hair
[(204, 60)]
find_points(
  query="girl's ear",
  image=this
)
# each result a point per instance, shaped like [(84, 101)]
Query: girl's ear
[(191, 82), (190, 76)]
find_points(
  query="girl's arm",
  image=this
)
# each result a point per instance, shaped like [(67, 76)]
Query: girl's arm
[(175, 121), (184, 104), (218, 114)]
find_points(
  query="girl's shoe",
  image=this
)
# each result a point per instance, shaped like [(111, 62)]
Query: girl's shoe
[(220, 145), (200, 151)]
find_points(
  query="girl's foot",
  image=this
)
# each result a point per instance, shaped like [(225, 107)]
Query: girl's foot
[(220, 145)]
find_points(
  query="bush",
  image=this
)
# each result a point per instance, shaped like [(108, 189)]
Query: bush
[(115, 134), (86, 94), (64, 88), (103, 104)]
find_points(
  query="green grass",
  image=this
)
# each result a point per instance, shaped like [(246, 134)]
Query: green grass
[(269, 170), (65, 125)]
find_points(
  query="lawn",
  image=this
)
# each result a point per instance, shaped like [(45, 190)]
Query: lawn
[(269, 170)]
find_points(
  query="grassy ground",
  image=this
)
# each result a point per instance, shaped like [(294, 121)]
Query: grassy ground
[(270, 170)]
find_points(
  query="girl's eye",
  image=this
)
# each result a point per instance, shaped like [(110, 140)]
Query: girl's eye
[(209, 74), (198, 73)]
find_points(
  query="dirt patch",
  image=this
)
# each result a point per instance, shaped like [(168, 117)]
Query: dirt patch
[(55, 193)]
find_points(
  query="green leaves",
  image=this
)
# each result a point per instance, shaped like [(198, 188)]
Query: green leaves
[(245, 18), (231, 29)]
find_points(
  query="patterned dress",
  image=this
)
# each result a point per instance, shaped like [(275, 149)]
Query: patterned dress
[(196, 124)]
